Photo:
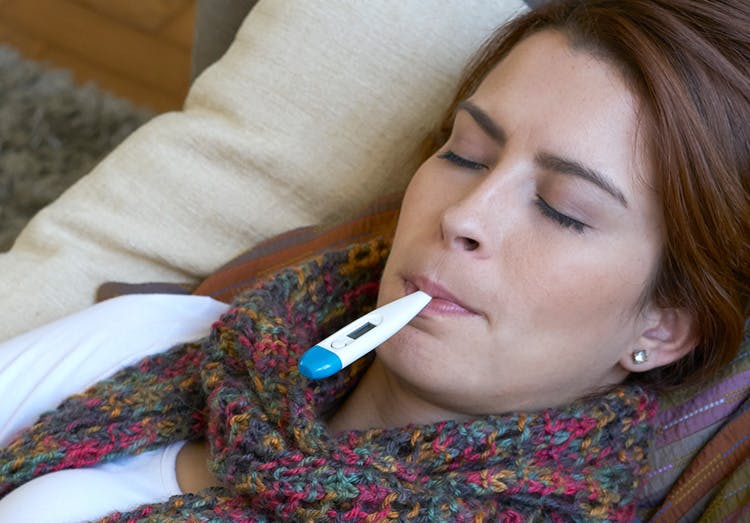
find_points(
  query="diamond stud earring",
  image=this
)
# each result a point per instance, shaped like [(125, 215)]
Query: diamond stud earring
[(640, 356)]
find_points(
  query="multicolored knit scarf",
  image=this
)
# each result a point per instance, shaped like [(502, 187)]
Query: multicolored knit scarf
[(240, 388)]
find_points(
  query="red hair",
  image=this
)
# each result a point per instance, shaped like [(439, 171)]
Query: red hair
[(688, 61)]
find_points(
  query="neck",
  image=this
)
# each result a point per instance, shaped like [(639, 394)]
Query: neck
[(381, 400)]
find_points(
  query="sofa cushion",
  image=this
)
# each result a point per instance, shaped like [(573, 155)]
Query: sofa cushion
[(316, 108)]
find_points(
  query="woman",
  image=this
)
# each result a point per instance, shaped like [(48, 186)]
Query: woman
[(583, 231)]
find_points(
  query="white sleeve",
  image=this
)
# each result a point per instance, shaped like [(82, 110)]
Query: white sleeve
[(87, 494), (44, 366)]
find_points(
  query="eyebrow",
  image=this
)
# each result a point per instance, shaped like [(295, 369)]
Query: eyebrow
[(484, 121), (574, 168), (545, 160)]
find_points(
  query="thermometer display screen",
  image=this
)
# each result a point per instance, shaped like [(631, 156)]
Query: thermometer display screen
[(359, 331)]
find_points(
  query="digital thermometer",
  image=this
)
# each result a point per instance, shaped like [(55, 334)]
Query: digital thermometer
[(361, 336)]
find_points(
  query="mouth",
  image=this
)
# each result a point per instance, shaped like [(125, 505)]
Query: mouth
[(443, 301)]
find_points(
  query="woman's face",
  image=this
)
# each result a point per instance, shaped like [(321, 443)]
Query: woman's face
[(536, 232)]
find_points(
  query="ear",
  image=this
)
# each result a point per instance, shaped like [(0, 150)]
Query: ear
[(668, 335)]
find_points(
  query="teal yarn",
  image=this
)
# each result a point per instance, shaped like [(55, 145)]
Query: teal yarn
[(240, 389)]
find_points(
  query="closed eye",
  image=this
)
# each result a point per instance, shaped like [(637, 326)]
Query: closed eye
[(563, 219), (461, 161)]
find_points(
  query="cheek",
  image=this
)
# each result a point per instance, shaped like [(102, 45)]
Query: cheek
[(436, 186), (418, 219), (591, 290), (423, 196), (415, 216)]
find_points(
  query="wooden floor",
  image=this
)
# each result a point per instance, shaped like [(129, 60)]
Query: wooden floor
[(136, 49)]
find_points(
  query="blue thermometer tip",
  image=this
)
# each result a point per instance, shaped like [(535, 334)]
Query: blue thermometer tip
[(318, 363)]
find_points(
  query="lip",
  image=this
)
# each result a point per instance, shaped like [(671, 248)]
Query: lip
[(443, 301)]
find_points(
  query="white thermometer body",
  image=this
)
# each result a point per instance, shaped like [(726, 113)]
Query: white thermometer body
[(361, 336)]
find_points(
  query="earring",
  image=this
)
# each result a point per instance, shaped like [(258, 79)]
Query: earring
[(640, 356)]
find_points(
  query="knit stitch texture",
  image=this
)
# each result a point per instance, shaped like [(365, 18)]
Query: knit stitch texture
[(240, 388)]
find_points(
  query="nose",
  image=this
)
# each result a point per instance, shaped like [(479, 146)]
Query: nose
[(464, 224)]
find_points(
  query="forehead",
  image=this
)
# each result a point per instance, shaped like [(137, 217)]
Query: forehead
[(568, 100)]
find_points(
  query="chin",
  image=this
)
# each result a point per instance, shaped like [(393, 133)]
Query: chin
[(409, 353)]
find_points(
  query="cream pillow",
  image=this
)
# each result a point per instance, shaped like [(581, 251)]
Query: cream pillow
[(316, 108)]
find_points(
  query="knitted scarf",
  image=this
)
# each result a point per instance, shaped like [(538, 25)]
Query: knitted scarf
[(240, 389)]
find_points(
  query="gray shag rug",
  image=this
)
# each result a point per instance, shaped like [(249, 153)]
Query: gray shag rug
[(52, 132)]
